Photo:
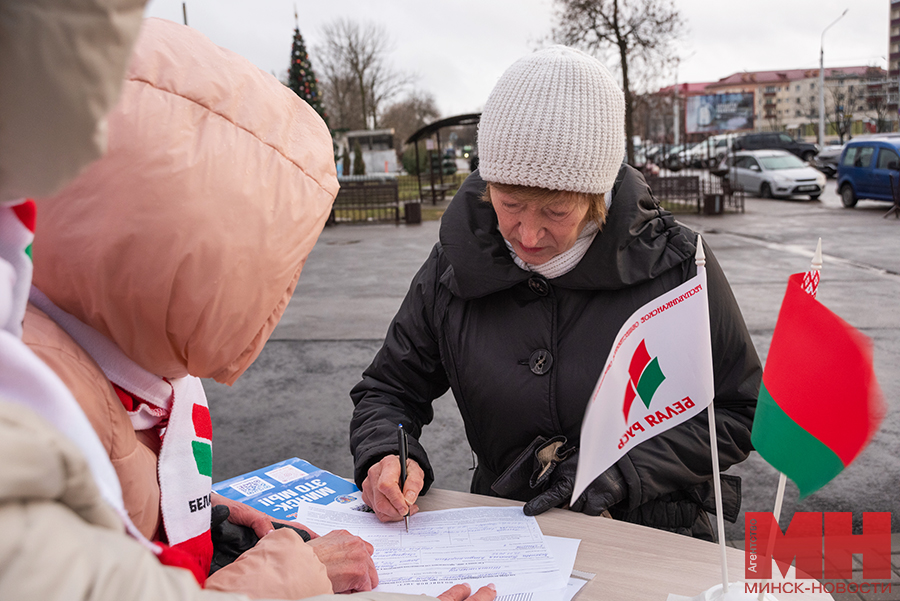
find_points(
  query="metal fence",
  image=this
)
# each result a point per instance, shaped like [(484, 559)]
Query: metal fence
[(442, 189), (388, 198), (366, 199), (696, 193)]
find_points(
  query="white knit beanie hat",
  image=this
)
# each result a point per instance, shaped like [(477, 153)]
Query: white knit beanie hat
[(556, 120)]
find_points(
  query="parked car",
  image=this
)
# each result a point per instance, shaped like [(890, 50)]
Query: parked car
[(685, 158), (668, 157), (708, 153), (772, 174), (653, 151), (869, 168), (828, 158), (640, 157), (771, 141)]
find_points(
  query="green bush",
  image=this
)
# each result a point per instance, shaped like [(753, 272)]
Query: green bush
[(449, 165), (409, 161), (359, 166), (345, 159)]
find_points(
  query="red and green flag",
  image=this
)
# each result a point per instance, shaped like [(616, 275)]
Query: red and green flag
[(819, 403)]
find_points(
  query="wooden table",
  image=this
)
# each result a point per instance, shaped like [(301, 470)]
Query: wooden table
[(631, 562)]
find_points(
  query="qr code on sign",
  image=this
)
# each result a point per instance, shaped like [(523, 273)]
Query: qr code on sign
[(251, 486), (286, 473)]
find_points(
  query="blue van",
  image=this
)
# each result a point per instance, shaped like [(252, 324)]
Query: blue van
[(869, 168)]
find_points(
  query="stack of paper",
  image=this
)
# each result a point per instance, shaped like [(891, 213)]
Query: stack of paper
[(476, 545)]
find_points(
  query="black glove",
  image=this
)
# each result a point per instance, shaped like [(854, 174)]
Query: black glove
[(230, 540), (605, 491)]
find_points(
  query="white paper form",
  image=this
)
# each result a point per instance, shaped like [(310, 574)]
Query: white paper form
[(564, 551), (477, 545)]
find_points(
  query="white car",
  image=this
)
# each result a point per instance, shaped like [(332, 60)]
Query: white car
[(708, 153), (772, 174)]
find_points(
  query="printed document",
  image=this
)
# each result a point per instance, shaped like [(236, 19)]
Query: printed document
[(477, 545)]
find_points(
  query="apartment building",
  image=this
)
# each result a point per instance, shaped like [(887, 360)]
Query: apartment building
[(860, 99), (788, 100)]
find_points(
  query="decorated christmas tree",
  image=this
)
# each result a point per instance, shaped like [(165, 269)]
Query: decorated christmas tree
[(302, 79)]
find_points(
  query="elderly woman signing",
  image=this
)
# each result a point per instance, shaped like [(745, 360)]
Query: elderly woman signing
[(543, 255)]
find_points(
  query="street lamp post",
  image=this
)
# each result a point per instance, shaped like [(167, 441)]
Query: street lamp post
[(822, 81)]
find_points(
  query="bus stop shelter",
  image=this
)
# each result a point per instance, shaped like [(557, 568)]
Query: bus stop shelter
[(436, 185)]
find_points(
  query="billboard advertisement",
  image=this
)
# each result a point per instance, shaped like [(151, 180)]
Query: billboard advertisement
[(719, 113)]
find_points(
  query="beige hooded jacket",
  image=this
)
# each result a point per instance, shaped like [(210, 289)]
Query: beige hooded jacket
[(61, 63), (60, 69), (183, 245), (62, 542)]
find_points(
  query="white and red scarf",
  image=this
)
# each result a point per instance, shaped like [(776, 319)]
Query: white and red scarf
[(178, 410), (28, 381)]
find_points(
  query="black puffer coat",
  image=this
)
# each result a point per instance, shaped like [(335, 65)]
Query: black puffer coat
[(474, 321)]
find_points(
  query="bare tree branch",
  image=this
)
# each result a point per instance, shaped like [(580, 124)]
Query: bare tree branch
[(844, 99), (877, 99), (642, 33), (358, 79), (408, 115)]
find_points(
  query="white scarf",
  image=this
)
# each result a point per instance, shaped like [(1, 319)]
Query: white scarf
[(563, 262), (26, 380), (185, 459)]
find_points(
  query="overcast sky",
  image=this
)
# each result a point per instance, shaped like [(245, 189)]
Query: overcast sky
[(457, 50)]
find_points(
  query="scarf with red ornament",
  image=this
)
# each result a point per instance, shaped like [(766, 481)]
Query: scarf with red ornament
[(177, 408)]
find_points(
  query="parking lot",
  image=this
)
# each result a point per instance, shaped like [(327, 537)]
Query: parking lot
[(294, 400)]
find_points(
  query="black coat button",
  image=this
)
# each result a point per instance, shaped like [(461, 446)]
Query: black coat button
[(541, 361), (539, 285)]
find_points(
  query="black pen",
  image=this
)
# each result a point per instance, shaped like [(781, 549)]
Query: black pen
[(401, 440)]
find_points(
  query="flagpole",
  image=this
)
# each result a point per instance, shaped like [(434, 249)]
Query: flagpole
[(779, 498), (816, 264), (811, 285), (700, 259), (717, 485)]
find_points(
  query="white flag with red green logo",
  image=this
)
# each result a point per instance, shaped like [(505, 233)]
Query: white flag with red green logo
[(658, 374)]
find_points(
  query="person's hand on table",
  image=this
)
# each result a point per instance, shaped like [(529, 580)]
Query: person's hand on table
[(461, 592), (348, 560), (381, 489), (605, 491), (259, 522)]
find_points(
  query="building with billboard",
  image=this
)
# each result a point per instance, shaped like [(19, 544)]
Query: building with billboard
[(788, 100), (860, 99), (719, 113)]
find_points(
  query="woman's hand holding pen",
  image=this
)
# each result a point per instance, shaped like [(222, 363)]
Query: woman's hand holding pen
[(382, 493)]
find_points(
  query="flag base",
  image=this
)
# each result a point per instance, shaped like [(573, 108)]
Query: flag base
[(736, 592)]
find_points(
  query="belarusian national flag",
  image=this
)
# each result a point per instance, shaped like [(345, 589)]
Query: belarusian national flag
[(658, 374), (819, 403)]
